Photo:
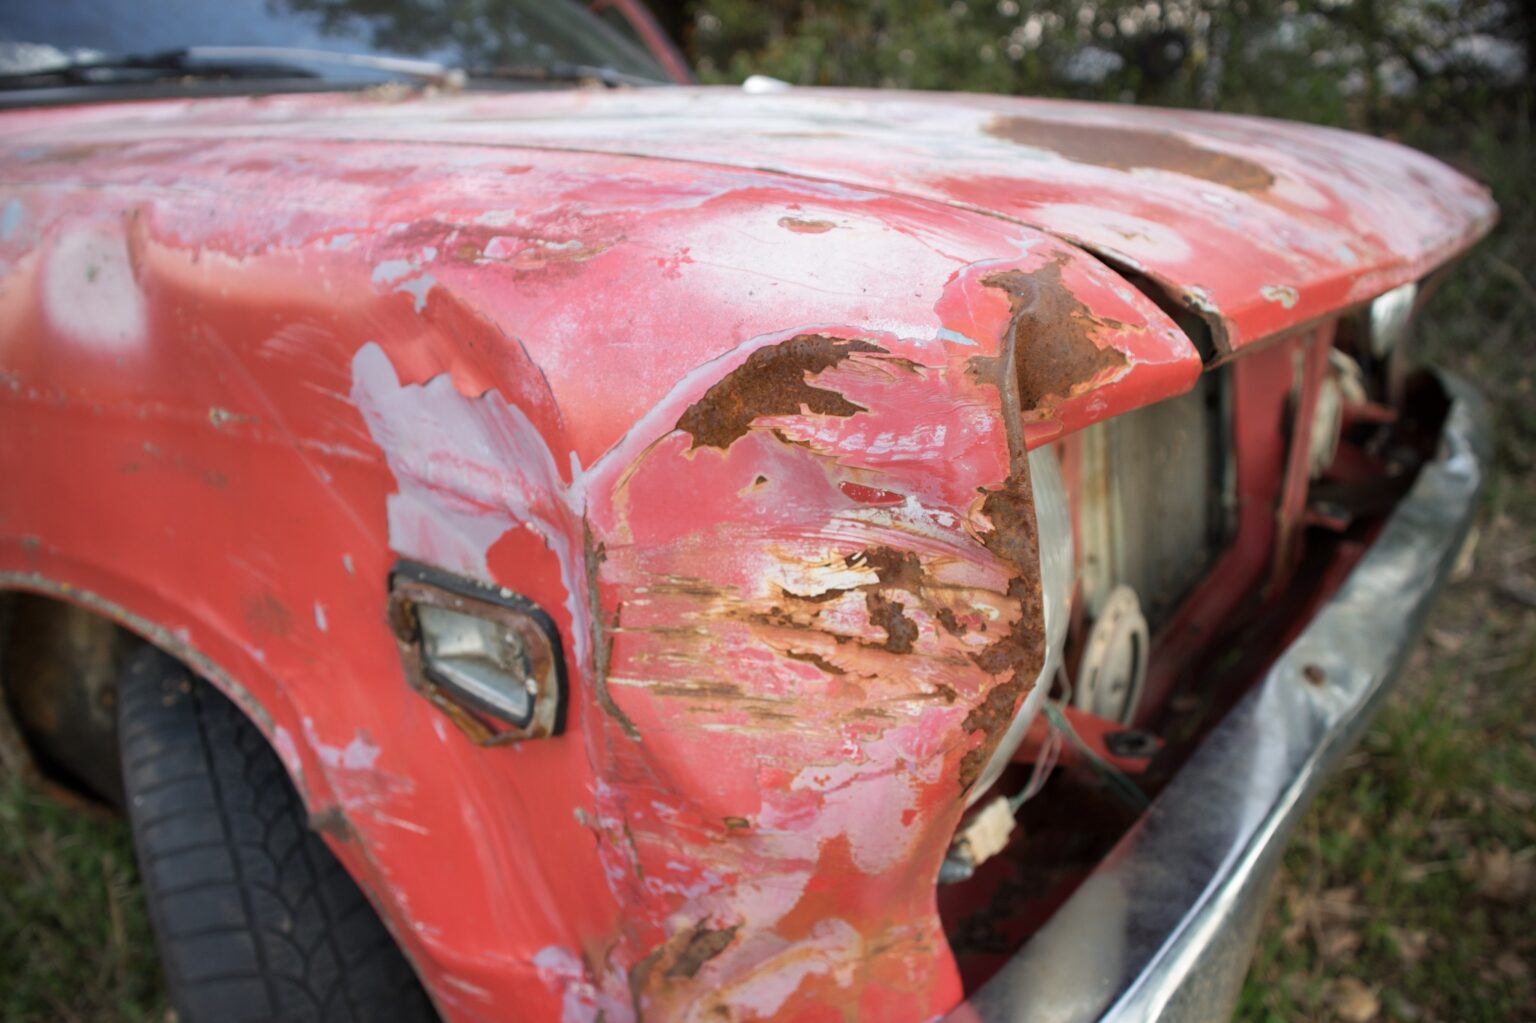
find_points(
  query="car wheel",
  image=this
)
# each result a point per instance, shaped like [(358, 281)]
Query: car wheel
[(254, 916)]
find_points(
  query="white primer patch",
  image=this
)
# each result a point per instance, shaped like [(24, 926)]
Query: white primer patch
[(89, 290), (287, 751), (467, 470)]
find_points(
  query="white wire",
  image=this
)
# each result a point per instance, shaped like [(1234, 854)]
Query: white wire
[(1050, 751)]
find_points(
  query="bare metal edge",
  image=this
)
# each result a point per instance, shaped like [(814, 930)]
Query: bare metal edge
[(1165, 928)]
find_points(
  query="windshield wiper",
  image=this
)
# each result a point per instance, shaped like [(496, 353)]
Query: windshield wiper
[(258, 62), (279, 62), (559, 71)]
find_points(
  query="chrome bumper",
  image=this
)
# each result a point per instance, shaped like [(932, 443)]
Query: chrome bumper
[(1165, 927)]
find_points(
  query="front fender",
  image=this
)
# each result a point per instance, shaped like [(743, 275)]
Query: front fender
[(757, 445), (817, 608)]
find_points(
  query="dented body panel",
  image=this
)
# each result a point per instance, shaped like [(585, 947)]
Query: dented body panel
[(754, 437)]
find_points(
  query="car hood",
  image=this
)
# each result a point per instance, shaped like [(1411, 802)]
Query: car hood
[(1252, 223), (1257, 225)]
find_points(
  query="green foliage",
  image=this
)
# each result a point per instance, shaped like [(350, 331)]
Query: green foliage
[(1365, 62)]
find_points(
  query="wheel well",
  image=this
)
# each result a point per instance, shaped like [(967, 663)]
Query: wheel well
[(59, 664)]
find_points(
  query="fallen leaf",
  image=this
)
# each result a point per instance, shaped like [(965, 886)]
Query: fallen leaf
[(1337, 942), (1511, 965), (1500, 874), (1445, 639), (1352, 1001), (1342, 901), (1412, 945), (1299, 913), (1515, 799), (1416, 872)]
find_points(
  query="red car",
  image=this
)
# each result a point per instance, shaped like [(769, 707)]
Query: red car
[(521, 544)]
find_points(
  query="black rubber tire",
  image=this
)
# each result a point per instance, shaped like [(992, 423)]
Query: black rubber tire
[(256, 920)]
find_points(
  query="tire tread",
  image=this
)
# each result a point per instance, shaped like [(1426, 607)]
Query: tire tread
[(267, 927)]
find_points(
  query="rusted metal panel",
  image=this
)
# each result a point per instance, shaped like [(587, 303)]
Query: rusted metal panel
[(753, 438)]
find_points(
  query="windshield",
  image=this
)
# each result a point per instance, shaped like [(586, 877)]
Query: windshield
[(473, 34)]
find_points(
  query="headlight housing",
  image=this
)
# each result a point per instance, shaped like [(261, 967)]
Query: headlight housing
[(1389, 318)]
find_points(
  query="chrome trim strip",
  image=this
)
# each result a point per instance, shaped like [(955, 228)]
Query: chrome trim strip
[(1164, 928)]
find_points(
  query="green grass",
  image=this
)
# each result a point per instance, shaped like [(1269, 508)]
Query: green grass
[(74, 938)]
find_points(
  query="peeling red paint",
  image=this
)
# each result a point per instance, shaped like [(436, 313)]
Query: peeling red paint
[(769, 481)]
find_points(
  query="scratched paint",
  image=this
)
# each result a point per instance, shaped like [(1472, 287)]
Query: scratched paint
[(757, 439)]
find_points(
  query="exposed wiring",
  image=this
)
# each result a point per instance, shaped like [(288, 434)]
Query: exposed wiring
[(1114, 779), (1045, 763)]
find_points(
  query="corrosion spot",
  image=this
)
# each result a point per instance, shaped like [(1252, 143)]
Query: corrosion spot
[(594, 555), (823, 597), (816, 659), (222, 416), (703, 946), (800, 225), (951, 623), (719, 690), (1131, 148), (900, 569), (1021, 653), (265, 613), (891, 615), (772, 382), (1053, 349), (333, 822)]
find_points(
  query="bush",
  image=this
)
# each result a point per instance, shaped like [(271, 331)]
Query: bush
[(1379, 64)]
